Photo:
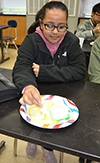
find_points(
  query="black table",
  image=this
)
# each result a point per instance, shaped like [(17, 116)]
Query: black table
[(86, 47), (2, 27), (81, 138)]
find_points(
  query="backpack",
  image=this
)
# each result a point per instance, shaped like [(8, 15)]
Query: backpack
[(8, 90)]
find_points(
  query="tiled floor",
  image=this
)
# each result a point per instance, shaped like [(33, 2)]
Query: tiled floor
[(6, 155), (12, 53)]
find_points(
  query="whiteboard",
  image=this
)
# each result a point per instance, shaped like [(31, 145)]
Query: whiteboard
[(13, 4)]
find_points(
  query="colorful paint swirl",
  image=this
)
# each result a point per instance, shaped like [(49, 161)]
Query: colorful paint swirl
[(56, 112)]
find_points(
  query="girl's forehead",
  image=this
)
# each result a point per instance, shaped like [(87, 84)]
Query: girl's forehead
[(54, 13), (54, 10)]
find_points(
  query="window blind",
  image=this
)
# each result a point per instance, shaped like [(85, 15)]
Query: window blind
[(35, 5)]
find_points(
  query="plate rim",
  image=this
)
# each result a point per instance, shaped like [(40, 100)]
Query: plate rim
[(53, 126)]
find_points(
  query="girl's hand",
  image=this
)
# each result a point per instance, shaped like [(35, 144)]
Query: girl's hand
[(31, 96), (36, 68)]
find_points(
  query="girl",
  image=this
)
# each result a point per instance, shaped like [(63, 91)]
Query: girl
[(49, 54)]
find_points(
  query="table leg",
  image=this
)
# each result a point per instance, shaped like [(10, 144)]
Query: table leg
[(15, 147), (2, 143), (2, 57), (61, 155)]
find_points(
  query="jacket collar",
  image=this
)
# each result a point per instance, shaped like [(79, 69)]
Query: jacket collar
[(42, 46), (92, 23)]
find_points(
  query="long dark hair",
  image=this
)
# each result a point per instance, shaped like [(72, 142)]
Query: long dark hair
[(35, 24), (41, 13)]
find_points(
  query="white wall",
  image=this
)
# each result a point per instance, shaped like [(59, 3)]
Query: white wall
[(85, 7)]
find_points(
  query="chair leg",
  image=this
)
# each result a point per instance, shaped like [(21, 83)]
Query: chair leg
[(6, 48), (15, 147), (15, 45), (61, 155), (4, 43)]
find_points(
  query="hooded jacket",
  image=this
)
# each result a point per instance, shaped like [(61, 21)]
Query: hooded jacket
[(85, 30), (69, 61)]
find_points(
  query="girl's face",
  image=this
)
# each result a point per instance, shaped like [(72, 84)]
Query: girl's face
[(55, 17)]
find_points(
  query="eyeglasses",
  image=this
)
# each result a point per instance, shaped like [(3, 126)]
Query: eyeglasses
[(51, 27), (97, 15)]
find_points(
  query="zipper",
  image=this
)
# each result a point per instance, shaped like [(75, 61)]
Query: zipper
[(58, 59)]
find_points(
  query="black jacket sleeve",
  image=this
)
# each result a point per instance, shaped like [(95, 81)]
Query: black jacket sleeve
[(22, 72)]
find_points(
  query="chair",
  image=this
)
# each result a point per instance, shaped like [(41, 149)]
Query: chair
[(12, 35)]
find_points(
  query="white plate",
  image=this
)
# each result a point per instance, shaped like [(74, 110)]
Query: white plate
[(56, 112)]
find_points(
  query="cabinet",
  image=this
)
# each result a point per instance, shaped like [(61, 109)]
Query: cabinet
[(21, 26)]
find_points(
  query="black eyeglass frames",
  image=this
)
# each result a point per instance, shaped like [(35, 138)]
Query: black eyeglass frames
[(51, 27)]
